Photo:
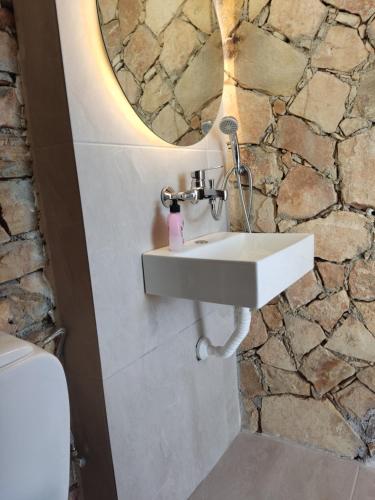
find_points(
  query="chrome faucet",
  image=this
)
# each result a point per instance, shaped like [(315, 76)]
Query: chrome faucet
[(199, 190)]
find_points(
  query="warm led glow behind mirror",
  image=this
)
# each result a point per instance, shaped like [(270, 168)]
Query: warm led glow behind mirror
[(168, 59)]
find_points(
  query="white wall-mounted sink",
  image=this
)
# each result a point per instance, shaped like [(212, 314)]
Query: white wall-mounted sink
[(230, 268)]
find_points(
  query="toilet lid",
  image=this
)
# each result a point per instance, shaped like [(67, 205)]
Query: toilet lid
[(12, 349)]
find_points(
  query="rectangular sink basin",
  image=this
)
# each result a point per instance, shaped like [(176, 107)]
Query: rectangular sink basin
[(230, 268)]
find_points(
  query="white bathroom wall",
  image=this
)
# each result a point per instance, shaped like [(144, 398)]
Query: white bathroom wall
[(170, 417)]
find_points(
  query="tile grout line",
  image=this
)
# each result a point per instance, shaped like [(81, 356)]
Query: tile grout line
[(147, 146), (354, 484), (162, 344)]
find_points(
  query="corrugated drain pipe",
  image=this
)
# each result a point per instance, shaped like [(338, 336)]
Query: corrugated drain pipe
[(205, 348)]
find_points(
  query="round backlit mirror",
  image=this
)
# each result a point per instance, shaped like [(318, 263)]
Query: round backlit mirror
[(168, 59)]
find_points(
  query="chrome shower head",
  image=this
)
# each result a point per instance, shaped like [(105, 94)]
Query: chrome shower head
[(229, 125), (206, 126)]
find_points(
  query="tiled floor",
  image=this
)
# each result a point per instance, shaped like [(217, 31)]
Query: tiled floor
[(262, 468)]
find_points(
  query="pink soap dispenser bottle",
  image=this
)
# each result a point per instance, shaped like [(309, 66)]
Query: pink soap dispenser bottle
[(175, 227)]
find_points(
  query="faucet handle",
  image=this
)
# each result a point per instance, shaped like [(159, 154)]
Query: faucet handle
[(200, 175), (168, 194), (203, 170)]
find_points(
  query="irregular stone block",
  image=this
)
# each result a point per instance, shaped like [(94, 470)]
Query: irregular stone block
[(279, 107), (250, 382), (365, 99), (18, 205), (304, 193), (108, 9), (257, 335), (158, 18), (250, 415), (351, 125), (362, 280), (371, 32), (211, 111), (357, 166), (155, 93), (263, 213), (141, 52), (348, 19), (286, 224), (354, 340), (9, 108), (342, 50), (19, 258), (206, 71), (274, 353), (253, 111), (175, 56), (370, 431), (4, 236), (129, 85), (112, 38), (333, 275), (17, 313), (296, 136), (169, 125), (15, 160), (255, 8), (322, 101), (272, 317), (310, 422), (357, 399), (338, 237), (37, 283), (199, 12), (289, 161), (283, 382), (303, 291), (303, 335), (328, 311), (263, 62), (367, 377), (128, 14), (299, 20), (325, 370), (365, 8), (367, 310), (8, 53), (263, 165)]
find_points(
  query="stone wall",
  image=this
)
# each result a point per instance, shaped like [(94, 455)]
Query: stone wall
[(168, 60), (26, 299), (301, 76)]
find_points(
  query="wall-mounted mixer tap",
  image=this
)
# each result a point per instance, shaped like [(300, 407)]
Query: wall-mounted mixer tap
[(200, 190)]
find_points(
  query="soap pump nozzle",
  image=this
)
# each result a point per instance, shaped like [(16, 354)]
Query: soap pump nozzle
[(174, 207)]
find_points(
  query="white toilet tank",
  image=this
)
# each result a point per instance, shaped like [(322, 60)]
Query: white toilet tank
[(34, 423)]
